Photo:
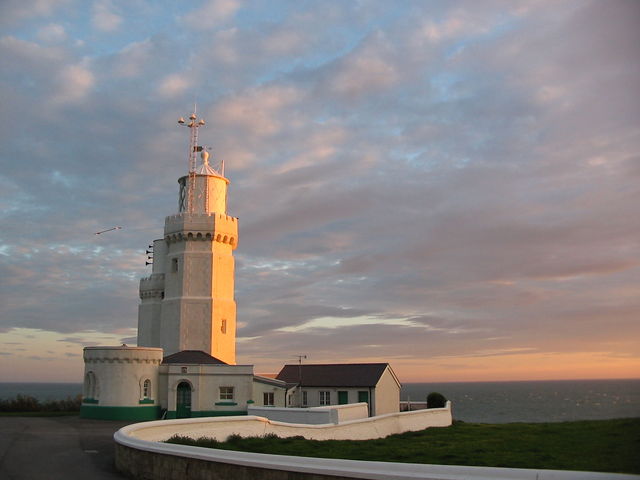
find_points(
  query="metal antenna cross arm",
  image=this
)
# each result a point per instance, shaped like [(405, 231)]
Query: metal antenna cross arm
[(193, 125)]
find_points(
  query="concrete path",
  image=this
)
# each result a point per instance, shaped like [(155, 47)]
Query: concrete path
[(34, 448)]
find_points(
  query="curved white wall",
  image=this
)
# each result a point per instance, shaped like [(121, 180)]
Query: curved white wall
[(250, 426), (136, 438), (118, 373)]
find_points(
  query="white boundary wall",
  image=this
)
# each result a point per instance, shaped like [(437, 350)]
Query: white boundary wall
[(139, 437), (251, 426)]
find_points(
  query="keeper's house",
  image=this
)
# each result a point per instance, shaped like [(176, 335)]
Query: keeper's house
[(339, 384)]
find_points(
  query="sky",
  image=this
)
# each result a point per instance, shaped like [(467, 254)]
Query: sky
[(452, 187)]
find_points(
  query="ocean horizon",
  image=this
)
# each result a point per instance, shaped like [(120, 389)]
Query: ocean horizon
[(478, 402)]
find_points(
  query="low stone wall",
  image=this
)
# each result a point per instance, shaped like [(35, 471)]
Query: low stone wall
[(145, 460), (314, 415)]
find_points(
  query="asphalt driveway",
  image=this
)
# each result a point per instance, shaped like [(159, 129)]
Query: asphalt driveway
[(33, 448)]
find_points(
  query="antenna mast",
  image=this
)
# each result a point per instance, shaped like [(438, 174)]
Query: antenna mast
[(194, 124)]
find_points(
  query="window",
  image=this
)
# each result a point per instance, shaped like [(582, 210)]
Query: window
[(223, 326), (305, 398), (226, 393), (325, 398), (146, 389), (174, 264), (268, 399), (91, 386)]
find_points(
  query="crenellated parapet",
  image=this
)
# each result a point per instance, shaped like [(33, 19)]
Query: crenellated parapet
[(129, 361), (152, 286), (212, 227), (123, 355)]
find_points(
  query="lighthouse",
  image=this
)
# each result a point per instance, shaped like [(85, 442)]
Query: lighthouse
[(185, 362), (187, 303)]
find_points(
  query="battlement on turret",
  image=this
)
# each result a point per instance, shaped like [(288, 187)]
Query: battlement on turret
[(152, 286), (197, 216), (216, 227)]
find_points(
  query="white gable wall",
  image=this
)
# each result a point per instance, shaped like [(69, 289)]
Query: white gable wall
[(387, 394), (259, 389)]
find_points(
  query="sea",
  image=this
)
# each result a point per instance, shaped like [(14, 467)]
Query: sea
[(534, 401), (477, 402)]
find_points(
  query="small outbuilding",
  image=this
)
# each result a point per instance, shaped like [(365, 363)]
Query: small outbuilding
[(136, 383), (342, 383)]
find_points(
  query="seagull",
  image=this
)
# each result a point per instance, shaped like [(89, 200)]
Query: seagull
[(108, 230)]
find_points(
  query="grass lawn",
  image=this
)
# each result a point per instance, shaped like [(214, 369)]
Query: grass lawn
[(600, 445)]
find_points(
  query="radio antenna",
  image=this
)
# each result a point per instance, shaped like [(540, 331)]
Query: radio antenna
[(193, 124)]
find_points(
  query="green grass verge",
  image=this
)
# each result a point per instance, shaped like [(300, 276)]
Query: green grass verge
[(601, 446)]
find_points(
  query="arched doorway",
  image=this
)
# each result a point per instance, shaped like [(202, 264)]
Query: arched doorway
[(183, 400)]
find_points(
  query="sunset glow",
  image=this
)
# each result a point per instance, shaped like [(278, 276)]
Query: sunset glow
[(450, 187)]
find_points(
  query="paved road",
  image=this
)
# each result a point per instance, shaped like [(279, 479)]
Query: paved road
[(34, 448)]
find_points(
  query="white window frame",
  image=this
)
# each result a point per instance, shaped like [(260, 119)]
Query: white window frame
[(226, 393), (268, 399), (146, 389), (324, 397)]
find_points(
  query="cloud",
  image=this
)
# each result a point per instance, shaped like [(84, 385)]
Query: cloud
[(257, 112), (211, 14), (14, 11), (366, 70), (173, 85), (104, 19), (417, 181), (74, 83), (52, 33)]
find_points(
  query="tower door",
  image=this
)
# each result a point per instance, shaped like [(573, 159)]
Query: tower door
[(183, 400)]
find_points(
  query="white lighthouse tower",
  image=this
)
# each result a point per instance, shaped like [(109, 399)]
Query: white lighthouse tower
[(185, 361), (188, 301)]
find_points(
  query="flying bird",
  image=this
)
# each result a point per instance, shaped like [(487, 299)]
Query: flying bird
[(108, 230)]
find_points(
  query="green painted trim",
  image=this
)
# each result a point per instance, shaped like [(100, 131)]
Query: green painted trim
[(250, 401), (146, 401), (226, 404), (90, 400), (120, 413)]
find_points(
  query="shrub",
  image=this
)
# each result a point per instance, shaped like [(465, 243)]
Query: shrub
[(436, 400), (26, 403), (234, 438)]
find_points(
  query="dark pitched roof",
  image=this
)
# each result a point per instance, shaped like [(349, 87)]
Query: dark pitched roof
[(334, 375), (192, 357)]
